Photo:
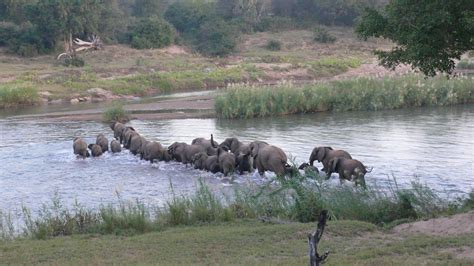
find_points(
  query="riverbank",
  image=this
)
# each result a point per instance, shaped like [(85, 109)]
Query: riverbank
[(119, 72), (248, 242)]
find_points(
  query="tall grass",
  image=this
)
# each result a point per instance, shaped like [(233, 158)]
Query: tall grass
[(11, 95), (298, 199), (115, 112), (244, 101)]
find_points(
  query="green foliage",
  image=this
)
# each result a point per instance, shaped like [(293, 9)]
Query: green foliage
[(322, 35), (151, 33), (273, 45), (216, 38), (243, 101), (188, 16), (14, 95), (429, 34), (115, 112), (147, 8)]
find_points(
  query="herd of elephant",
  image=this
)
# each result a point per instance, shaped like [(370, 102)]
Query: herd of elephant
[(227, 157)]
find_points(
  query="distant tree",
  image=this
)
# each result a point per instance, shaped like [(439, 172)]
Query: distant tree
[(187, 16), (152, 32), (429, 34), (146, 8), (216, 38)]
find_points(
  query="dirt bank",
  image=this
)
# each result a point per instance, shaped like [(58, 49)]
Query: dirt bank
[(458, 224)]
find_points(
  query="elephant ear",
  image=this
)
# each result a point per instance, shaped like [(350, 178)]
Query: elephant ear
[(254, 149)]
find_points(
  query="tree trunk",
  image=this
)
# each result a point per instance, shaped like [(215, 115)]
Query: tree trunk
[(313, 240)]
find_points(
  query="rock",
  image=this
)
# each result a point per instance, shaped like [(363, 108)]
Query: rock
[(75, 101), (82, 99), (45, 94)]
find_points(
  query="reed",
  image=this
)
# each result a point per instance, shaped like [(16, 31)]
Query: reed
[(13, 95), (362, 94)]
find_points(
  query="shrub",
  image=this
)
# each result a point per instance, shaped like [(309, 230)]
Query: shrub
[(321, 35), (11, 95), (151, 33), (24, 40), (74, 61), (115, 112), (273, 45), (216, 38), (188, 16)]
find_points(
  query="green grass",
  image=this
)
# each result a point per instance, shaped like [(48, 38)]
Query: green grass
[(243, 242), (299, 199), (243, 101), (115, 112), (13, 95)]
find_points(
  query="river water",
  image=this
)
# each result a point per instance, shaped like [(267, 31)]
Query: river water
[(432, 145)]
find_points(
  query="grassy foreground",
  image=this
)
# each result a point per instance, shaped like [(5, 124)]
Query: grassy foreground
[(244, 242), (243, 101)]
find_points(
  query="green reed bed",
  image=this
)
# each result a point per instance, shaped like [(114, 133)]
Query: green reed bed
[(245, 101), (12, 95), (299, 199)]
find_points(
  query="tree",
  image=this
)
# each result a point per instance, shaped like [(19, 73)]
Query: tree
[(429, 34), (146, 8)]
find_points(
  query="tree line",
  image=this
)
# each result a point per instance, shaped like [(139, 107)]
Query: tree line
[(32, 27)]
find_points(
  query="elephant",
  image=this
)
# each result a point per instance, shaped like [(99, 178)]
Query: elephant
[(206, 144), (308, 167), (103, 142), (126, 133), (244, 163), (80, 148), (349, 169), (325, 154), (115, 146), (135, 143), (203, 161), (183, 152), (154, 151), (269, 158), (118, 129), (96, 150), (226, 161), (235, 146)]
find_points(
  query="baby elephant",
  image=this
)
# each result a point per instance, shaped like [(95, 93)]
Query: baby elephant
[(115, 146), (349, 169), (80, 148), (96, 150)]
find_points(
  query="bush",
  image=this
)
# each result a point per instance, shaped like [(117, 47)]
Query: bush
[(115, 112), (273, 45), (75, 61), (188, 16), (151, 33), (321, 35), (11, 95), (216, 38), (24, 40)]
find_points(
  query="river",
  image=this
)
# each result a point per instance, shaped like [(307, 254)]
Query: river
[(432, 145)]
